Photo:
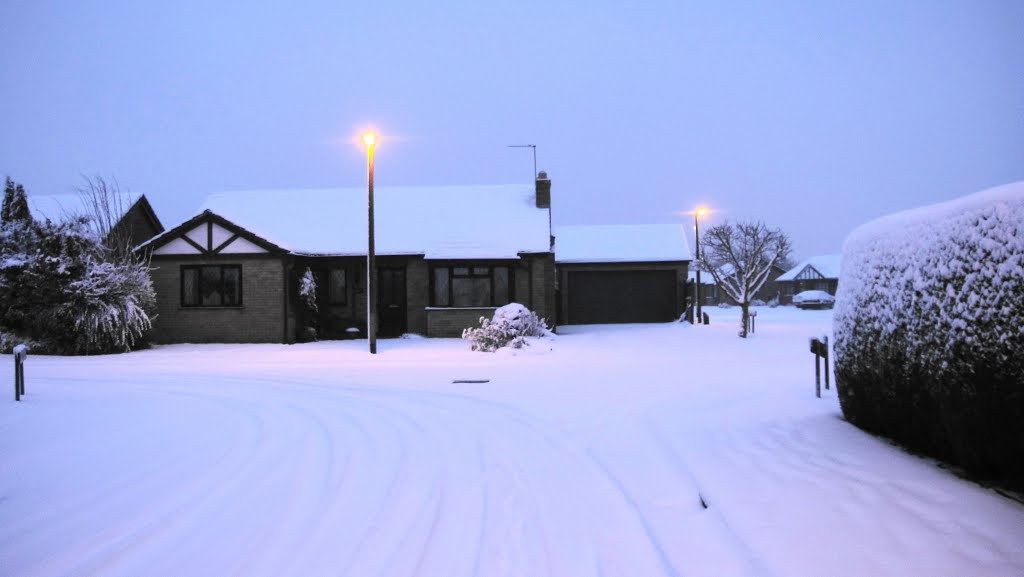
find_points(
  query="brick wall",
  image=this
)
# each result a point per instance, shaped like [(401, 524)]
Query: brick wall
[(535, 285), (417, 290), (450, 322), (260, 319)]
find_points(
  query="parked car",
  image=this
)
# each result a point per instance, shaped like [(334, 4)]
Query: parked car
[(814, 300)]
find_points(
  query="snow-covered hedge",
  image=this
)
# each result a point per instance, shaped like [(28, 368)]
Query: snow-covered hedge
[(510, 326), (929, 330)]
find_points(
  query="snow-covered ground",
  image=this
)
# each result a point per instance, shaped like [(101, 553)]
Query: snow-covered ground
[(591, 457)]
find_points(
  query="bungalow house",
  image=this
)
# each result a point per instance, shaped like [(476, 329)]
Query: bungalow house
[(816, 273), (445, 256), (128, 217), (621, 273)]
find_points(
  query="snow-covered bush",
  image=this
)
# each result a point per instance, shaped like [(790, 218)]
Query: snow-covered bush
[(307, 291), (929, 330), (60, 286), (307, 296), (510, 326)]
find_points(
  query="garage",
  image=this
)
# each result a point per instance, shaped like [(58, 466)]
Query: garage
[(632, 296)]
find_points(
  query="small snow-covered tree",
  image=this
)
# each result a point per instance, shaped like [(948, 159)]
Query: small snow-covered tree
[(740, 257), (307, 297), (15, 207), (307, 291)]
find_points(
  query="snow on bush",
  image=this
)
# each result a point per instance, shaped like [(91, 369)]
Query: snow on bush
[(59, 287), (929, 330), (307, 291), (310, 310), (510, 326)]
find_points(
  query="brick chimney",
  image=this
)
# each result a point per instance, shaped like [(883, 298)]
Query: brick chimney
[(543, 190)]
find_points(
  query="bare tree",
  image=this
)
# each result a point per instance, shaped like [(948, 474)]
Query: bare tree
[(740, 257), (104, 204)]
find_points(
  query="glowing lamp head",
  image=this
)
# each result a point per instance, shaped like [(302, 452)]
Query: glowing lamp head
[(701, 211), (369, 138)]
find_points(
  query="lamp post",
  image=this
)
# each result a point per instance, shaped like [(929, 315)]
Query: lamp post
[(370, 139), (700, 211)]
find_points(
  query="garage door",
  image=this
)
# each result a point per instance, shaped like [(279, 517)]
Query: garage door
[(622, 296)]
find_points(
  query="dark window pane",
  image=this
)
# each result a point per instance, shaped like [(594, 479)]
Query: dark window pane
[(232, 288), (460, 271), (441, 286), (209, 286), (189, 287), (500, 286), (471, 292), (481, 271), (338, 288)]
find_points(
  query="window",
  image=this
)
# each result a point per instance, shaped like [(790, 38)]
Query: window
[(471, 286), (337, 287), (211, 286)]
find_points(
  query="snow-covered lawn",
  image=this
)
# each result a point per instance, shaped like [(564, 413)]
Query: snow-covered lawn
[(592, 458)]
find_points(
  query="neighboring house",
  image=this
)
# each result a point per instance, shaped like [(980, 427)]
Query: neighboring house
[(445, 256), (816, 273), (621, 273), (709, 292), (133, 216), (712, 294)]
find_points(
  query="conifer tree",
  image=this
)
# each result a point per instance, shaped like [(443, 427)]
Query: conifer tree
[(15, 206)]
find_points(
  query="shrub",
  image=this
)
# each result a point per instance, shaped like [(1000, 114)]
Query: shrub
[(60, 287), (929, 327), (310, 310), (510, 326)]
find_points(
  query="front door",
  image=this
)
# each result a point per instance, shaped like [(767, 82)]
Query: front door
[(390, 302)]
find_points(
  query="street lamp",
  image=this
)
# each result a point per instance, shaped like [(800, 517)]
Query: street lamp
[(700, 211), (370, 139)]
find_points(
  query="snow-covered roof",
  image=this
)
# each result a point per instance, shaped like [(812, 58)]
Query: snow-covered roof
[(57, 206), (440, 222), (827, 265), (621, 243)]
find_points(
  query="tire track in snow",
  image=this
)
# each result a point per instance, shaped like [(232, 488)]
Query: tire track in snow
[(430, 471), (94, 552)]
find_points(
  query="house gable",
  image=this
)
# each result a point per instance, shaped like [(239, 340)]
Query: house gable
[(209, 234), (809, 273)]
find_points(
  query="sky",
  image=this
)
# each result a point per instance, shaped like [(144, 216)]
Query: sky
[(812, 116)]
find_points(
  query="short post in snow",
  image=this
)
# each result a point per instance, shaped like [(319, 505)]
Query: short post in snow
[(20, 354), (820, 350), (824, 348), (753, 320)]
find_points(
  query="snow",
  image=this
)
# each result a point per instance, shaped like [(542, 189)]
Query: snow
[(826, 265), (814, 296), (621, 243), (444, 222), (955, 268), (591, 459)]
